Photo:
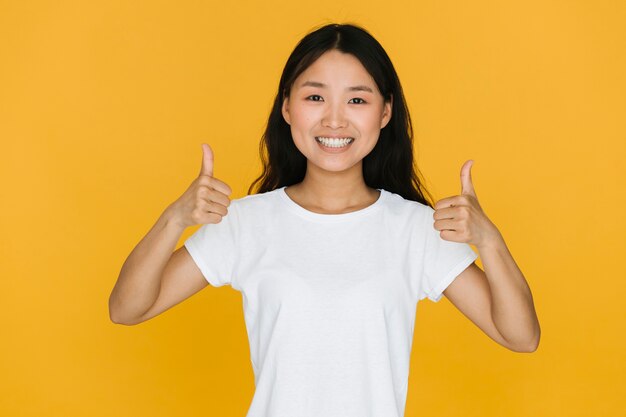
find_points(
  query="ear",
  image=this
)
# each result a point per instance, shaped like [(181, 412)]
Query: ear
[(285, 110), (387, 109)]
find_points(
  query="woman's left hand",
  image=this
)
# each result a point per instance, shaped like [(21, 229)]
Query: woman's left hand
[(461, 219)]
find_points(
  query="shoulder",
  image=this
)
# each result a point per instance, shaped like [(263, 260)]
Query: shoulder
[(398, 205), (246, 210), (256, 202)]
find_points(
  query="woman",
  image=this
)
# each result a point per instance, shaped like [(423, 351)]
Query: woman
[(336, 247)]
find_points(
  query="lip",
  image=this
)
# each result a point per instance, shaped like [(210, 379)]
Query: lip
[(334, 150), (334, 136)]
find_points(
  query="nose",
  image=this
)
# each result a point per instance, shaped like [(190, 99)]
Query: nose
[(334, 117)]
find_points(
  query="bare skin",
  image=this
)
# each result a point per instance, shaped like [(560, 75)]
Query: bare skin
[(324, 101), (153, 279), (333, 204), (335, 99)]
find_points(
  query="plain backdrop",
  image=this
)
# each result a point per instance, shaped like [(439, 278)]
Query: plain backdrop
[(103, 109)]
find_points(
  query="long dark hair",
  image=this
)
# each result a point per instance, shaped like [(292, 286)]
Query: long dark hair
[(390, 164)]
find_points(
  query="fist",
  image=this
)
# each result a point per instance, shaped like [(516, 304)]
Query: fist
[(207, 198), (460, 218)]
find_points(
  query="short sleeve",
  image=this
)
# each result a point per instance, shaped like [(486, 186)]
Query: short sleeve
[(444, 260), (212, 248)]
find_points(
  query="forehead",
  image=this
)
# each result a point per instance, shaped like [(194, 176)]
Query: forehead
[(336, 68)]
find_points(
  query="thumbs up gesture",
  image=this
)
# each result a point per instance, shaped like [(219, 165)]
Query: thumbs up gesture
[(461, 219), (207, 198)]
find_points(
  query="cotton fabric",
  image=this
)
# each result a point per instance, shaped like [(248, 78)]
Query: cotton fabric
[(329, 299)]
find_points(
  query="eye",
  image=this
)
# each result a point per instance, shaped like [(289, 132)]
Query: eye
[(361, 102), (314, 95)]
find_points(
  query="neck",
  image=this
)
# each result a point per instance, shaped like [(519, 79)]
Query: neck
[(333, 192)]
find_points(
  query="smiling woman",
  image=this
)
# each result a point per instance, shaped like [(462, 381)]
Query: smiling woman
[(339, 82), (335, 108), (337, 245)]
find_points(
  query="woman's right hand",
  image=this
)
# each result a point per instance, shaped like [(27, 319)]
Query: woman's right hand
[(207, 198)]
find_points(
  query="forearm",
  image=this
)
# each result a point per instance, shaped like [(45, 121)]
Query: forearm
[(139, 282), (513, 310)]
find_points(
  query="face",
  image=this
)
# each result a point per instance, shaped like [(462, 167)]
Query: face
[(336, 112)]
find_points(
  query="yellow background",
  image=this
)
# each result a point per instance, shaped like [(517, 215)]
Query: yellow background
[(103, 109)]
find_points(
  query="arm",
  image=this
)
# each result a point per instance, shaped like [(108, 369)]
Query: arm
[(153, 279), (139, 283), (498, 300)]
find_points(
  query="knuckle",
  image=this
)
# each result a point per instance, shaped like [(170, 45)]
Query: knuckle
[(208, 182), (202, 191), (218, 209)]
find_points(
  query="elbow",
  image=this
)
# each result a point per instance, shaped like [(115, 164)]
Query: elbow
[(534, 345), (113, 314), (526, 349), (535, 342), (522, 348), (115, 317), (530, 347), (117, 320)]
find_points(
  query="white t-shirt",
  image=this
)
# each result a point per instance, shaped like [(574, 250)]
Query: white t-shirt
[(329, 299)]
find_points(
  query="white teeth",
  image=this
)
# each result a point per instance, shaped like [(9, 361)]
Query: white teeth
[(334, 142)]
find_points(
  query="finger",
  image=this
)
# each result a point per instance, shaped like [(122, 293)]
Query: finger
[(221, 186), (452, 236), (214, 196), (207, 160), (212, 207), (445, 213), (446, 224), (466, 178), (456, 200)]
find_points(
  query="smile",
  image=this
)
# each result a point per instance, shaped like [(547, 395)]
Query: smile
[(334, 142)]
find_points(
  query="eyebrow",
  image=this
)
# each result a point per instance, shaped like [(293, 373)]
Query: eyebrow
[(322, 85)]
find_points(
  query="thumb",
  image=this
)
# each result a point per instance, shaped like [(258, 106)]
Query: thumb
[(207, 160), (466, 178)]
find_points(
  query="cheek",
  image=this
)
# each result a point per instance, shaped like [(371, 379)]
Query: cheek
[(302, 121), (369, 121), (300, 125)]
